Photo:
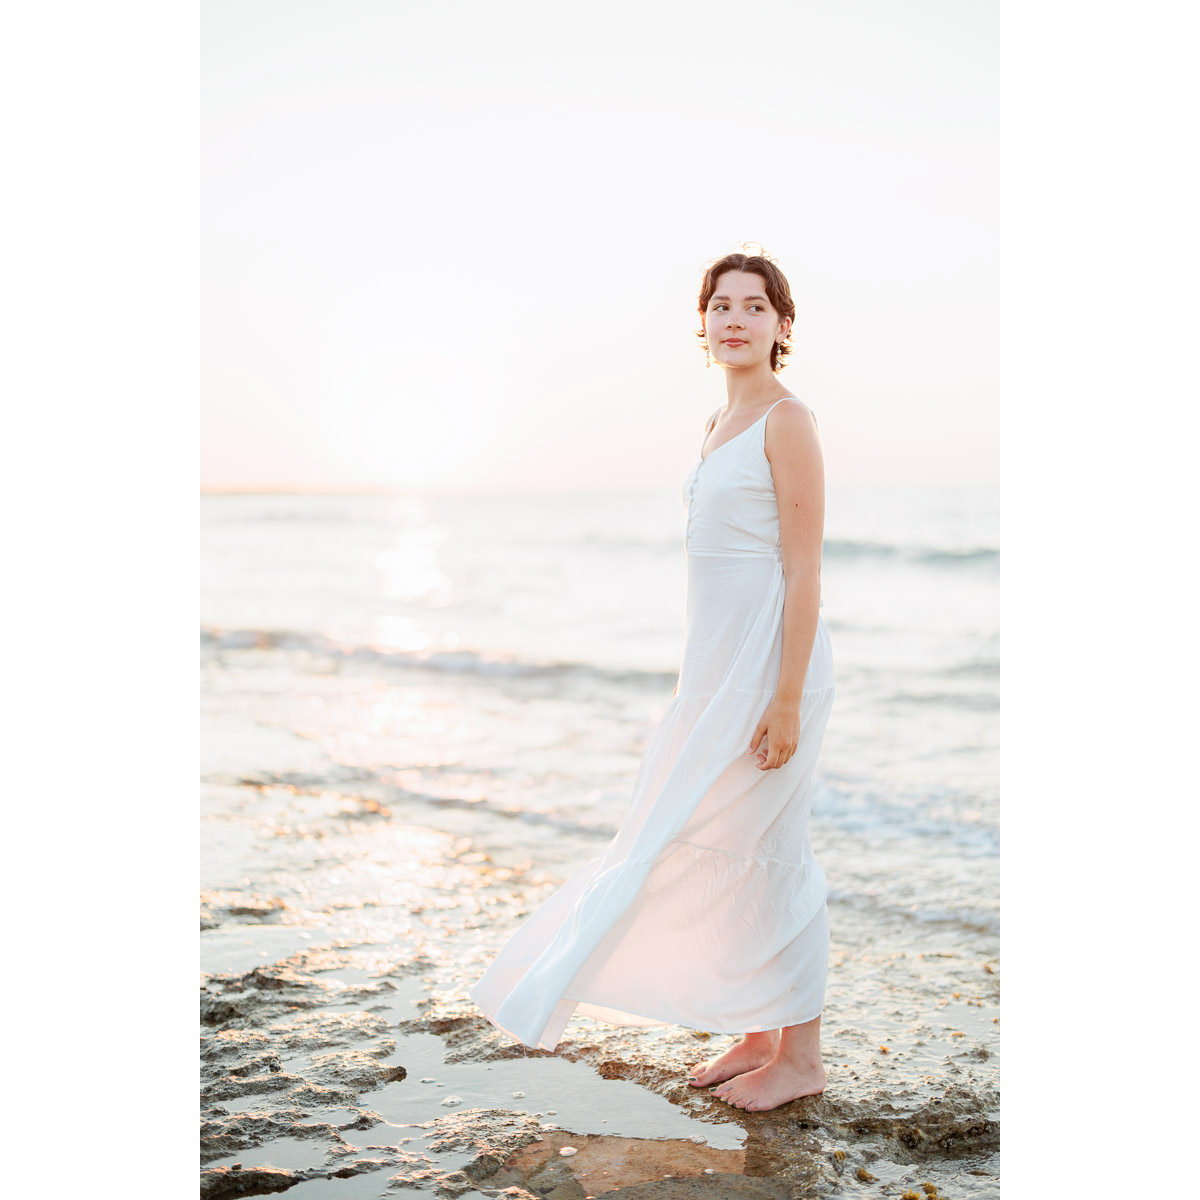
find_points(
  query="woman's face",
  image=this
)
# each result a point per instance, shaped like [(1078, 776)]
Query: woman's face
[(740, 323)]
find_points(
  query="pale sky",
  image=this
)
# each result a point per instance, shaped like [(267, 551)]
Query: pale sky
[(459, 245)]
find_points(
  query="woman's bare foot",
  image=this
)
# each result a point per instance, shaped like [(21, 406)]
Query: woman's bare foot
[(778, 1081), (750, 1051)]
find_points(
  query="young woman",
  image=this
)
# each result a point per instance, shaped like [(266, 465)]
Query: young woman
[(707, 909)]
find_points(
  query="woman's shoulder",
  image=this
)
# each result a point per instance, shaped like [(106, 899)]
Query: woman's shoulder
[(791, 434), (796, 405), (797, 410)]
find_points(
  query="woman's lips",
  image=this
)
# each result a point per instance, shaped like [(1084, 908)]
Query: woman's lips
[(735, 341)]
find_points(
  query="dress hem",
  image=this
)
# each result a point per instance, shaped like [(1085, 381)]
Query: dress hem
[(685, 1024)]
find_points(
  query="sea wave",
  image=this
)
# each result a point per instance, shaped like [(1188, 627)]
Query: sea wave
[(921, 820), (365, 783), (459, 662), (978, 701), (973, 919), (937, 556), (842, 549)]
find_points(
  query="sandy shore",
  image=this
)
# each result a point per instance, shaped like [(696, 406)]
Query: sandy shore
[(331, 1069)]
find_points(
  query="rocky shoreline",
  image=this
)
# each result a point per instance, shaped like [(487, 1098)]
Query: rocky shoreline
[(325, 1066)]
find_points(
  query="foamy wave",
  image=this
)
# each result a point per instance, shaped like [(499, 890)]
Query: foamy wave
[(464, 662), (363, 783), (978, 701), (846, 549), (877, 818), (974, 919), (943, 556)]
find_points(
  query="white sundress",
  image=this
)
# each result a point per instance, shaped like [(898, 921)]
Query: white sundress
[(707, 908)]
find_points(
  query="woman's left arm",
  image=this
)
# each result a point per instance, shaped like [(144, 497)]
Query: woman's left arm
[(793, 449)]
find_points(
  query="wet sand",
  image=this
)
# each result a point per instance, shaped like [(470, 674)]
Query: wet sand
[(330, 1069)]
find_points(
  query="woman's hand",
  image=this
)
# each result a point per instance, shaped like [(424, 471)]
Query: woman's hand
[(776, 735)]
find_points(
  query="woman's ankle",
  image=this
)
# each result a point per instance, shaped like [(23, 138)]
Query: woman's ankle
[(764, 1035), (803, 1058)]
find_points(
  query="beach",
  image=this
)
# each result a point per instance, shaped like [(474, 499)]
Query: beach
[(420, 714)]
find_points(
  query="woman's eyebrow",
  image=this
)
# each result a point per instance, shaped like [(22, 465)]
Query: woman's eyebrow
[(748, 297)]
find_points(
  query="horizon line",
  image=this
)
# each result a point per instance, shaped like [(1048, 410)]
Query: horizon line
[(301, 490)]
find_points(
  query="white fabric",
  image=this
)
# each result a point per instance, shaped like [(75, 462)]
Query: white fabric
[(707, 908)]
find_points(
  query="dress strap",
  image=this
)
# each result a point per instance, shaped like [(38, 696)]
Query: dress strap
[(708, 429), (763, 419), (781, 399)]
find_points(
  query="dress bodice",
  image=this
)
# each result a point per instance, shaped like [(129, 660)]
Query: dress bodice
[(730, 497)]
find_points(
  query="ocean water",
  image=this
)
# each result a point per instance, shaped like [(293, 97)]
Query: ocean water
[(492, 666)]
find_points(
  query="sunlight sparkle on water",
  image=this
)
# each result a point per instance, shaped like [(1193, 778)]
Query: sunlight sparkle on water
[(410, 571), (401, 633)]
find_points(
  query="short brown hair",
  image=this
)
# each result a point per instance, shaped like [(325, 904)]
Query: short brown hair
[(775, 284)]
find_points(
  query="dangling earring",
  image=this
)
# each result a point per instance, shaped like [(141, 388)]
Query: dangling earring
[(707, 360)]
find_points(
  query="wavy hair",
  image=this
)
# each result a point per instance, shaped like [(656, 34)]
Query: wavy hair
[(774, 283)]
